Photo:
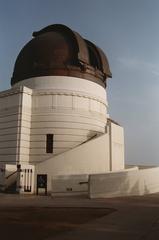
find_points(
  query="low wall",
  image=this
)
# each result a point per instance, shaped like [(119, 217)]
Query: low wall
[(124, 183), (150, 180), (70, 185)]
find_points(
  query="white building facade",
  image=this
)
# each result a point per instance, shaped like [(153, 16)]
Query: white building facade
[(54, 125)]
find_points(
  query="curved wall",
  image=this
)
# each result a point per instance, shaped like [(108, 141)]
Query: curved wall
[(67, 84), (72, 109)]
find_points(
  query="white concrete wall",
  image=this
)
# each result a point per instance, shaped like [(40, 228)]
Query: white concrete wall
[(64, 83), (150, 180), (15, 113), (114, 184), (90, 157), (9, 124), (72, 109), (25, 126), (124, 183), (70, 185), (116, 146), (99, 155)]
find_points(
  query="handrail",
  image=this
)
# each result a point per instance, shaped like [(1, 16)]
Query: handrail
[(11, 174)]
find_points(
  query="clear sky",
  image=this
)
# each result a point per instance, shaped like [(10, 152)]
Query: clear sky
[(128, 32)]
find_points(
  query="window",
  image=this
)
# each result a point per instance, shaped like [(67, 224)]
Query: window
[(49, 143)]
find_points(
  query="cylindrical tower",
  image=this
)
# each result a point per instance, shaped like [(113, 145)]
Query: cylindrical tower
[(67, 75)]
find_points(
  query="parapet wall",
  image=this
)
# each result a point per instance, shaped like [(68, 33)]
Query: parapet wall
[(124, 183)]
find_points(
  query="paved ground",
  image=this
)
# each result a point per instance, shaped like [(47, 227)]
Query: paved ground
[(32, 217)]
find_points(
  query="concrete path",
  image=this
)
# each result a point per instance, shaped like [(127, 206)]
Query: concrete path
[(134, 217)]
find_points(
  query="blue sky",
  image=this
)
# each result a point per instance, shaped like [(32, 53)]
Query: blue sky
[(127, 30)]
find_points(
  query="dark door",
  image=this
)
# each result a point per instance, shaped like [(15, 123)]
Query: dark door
[(42, 182)]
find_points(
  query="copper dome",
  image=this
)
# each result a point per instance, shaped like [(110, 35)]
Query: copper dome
[(58, 51)]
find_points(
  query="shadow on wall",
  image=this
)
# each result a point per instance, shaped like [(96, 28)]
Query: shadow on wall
[(139, 187), (146, 190), (125, 183)]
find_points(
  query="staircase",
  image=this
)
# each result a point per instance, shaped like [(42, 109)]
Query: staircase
[(11, 183)]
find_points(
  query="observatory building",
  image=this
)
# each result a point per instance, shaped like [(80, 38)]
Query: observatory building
[(55, 131)]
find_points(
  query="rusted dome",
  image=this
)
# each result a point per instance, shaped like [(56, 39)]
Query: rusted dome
[(58, 51)]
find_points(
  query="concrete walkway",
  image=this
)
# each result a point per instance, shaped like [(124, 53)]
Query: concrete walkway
[(134, 217)]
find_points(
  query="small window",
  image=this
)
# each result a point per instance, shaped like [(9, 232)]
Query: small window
[(49, 143)]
